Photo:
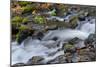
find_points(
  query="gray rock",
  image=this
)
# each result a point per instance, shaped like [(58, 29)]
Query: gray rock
[(35, 60), (59, 59), (91, 40)]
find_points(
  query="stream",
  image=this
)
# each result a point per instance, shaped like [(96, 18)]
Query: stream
[(50, 46)]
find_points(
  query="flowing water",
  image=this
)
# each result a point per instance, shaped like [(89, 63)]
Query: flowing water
[(22, 53)]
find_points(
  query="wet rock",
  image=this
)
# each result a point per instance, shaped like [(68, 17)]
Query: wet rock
[(38, 35), (51, 27), (14, 29), (91, 40), (84, 58), (80, 45), (75, 57), (73, 22), (68, 56), (74, 40), (87, 55), (69, 48), (77, 43), (22, 35), (50, 44), (35, 60), (81, 18), (38, 27), (55, 38), (59, 59), (61, 9), (73, 9), (18, 65)]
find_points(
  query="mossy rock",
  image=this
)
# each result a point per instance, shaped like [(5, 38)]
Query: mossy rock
[(68, 48), (74, 41), (39, 19), (27, 8), (23, 34), (17, 19), (24, 3), (73, 22), (62, 10), (23, 27), (25, 20)]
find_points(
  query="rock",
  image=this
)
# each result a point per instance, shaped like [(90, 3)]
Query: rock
[(86, 55), (84, 58), (68, 48), (18, 65), (80, 45), (51, 27), (91, 40), (68, 56), (77, 42), (22, 35), (59, 59), (75, 58), (38, 27), (74, 40), (35, 60), (38, 35), (14, 29), (73, 22), (81, 18)]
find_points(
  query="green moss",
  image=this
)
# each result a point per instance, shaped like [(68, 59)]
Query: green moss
[(17, 37), (25, 20), (73, 21), (17, 19), (39, 19), (22, 27), (68, 46), (27, 8), (24, 3)]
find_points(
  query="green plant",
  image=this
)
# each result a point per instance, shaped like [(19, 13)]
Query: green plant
[(39, 19), (27, 8), (24, 3), (17, 36), (22, 27), (17, 19), (25, 20)]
